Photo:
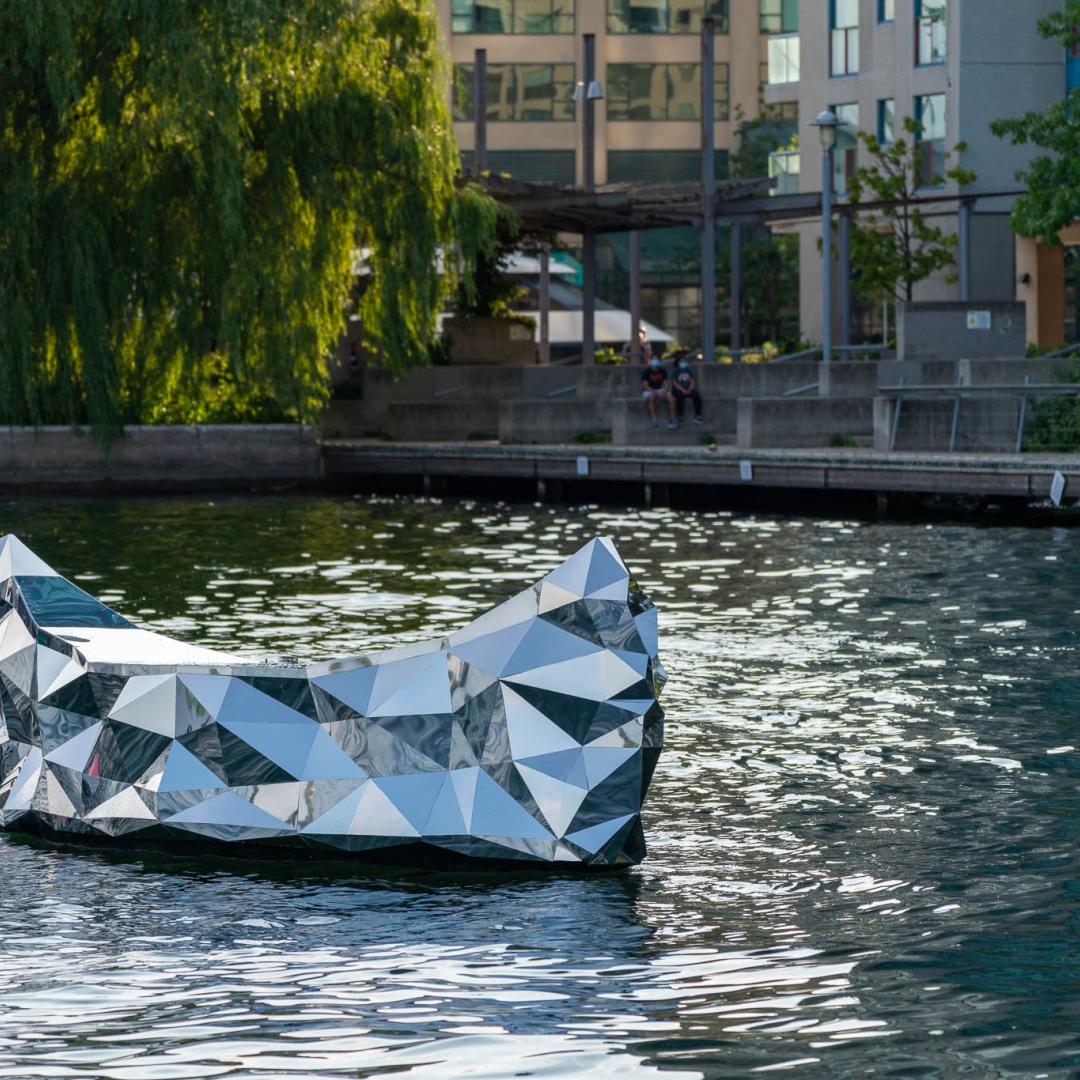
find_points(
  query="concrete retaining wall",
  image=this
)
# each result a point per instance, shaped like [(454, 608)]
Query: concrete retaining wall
[(443, 419), (551, 420), (802, 422), (166, 458), (630, 424), (983, 424)]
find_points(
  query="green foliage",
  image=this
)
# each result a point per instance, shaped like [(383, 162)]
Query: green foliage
[(895, 246), (487, 237), (770, 260), (607, 355), (590, 437), (757, 139), (1052, 199), (184, 187)]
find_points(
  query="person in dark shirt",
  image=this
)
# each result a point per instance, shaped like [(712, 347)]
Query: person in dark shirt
[(685, 388), (655, 387)]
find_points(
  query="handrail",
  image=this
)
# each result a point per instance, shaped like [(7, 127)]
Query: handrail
[(1068, 350), (1024, 391)]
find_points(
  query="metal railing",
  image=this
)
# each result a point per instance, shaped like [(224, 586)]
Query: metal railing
[(1024, 391)]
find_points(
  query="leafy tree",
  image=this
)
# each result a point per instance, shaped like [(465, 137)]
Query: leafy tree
[(893, 244), (185, 185), (770, 302), (1052, 199)]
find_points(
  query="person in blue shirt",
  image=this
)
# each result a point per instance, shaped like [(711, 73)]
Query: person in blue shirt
[(684, 387), (655, 386)]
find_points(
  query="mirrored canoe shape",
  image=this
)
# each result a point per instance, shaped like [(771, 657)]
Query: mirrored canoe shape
[(529, 736)]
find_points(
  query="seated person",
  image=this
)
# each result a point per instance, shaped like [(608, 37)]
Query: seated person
[(655, 387), (684, 387)]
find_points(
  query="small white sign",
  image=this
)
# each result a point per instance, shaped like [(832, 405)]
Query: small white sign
[(746, 470), (979, 320), (583, 466), (1057, 489)]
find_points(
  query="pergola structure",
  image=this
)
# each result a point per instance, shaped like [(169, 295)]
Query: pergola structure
[(639, 207)]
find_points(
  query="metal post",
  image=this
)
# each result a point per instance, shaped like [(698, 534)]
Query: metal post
[(480, 111), (588, 131), (1023, 417), (844, 277), (964, 252), (955, 416), (736, 289), (545, 304), (896, 419), (635, 296), (708, 190), (826, 255)]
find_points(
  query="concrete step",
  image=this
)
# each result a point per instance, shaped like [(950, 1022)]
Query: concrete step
[(631, 426), (442, 420)]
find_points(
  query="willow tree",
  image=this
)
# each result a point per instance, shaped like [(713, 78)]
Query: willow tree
[(184, 185)]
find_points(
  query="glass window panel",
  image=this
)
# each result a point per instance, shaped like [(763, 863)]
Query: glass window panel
[(517, 92), (722, 92), (664, 16), (931, 115), (494, 16), (779, 16), (931, 39), (684, 95), (512, 16), (544, 17), (887, 10), (887, 121), (845, 13), (637, 92)]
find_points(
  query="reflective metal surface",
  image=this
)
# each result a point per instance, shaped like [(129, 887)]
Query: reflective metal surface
[(862, 830), (530, 735)]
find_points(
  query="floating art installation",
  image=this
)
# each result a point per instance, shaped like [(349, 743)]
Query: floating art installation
[(530, 735)]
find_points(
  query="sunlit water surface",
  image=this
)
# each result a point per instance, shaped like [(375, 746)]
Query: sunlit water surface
[(862, 834)]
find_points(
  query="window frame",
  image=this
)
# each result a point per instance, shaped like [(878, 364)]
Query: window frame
[(883, 6), (924, 26), (721, 93), (881, 111), (936, 145), (723, 19), (850, 36), (462, 93), (567, 27)]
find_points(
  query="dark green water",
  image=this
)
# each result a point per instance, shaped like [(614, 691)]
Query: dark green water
[(863, 832)]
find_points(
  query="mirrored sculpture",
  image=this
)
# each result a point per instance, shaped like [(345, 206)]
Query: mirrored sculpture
[(530, 735)]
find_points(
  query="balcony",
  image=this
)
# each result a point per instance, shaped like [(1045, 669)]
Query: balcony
[(783, 59), (784, 169)]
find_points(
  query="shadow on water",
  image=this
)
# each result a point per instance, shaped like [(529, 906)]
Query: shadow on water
[(862, 834)]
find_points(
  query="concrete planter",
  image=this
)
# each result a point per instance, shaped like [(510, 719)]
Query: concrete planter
[(490, 341)]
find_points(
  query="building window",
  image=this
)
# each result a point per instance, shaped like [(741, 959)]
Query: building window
[(664, 16), (886, 10), (537, 166), (847, 143), (662, 92), (779, 16), (844, 38), (512, 16), (886, 121), (931, 38), (528, 92), (930, 148), (783, 63), (660, 166)]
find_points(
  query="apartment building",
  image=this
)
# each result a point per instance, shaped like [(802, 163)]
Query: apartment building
[(647, 126), (954, 66)]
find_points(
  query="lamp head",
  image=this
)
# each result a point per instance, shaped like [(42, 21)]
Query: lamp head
[(827, 123)]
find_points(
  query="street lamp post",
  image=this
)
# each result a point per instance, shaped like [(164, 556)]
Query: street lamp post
[(826, 123)]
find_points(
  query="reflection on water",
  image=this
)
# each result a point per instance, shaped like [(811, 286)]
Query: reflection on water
[(862, 832)]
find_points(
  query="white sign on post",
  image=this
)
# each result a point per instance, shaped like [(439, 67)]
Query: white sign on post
[(1057, 488), (979, 320), (746, 470), (583, 466)]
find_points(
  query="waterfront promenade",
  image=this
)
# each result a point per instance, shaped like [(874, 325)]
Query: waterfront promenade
[(164, 460)]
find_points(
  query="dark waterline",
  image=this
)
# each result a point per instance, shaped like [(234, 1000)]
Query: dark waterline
[(862, 833)]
